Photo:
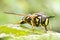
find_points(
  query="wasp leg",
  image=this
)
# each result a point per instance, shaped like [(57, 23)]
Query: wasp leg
[(32, 26), (46, 29)]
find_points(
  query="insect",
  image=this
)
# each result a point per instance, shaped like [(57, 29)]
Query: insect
[(38, 19)]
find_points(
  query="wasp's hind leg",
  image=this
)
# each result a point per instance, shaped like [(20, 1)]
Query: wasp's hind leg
[(45, 28)]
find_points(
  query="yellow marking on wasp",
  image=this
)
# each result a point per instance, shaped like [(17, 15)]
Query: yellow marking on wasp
[(46, 22), (39, 17), (37, 20)]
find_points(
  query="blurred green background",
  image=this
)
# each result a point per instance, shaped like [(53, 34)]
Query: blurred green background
[(51, 7)]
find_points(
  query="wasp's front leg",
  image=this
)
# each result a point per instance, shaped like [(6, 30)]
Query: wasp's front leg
[(22, 22)]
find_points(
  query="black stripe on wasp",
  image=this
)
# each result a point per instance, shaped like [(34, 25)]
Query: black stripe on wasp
[(37, 19)]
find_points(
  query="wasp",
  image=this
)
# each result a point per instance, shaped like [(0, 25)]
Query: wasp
[(38, 19)]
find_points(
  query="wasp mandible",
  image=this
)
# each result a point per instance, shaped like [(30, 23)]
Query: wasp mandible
[(38, 19)]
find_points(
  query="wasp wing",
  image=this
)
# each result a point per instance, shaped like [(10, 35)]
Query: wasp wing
[(41, 13), (15, 14)]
